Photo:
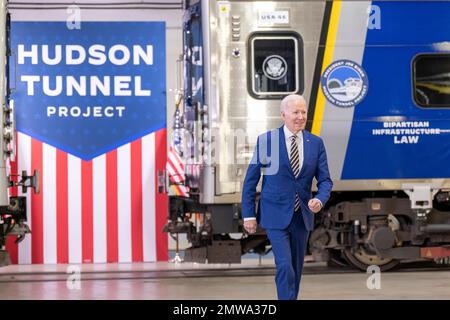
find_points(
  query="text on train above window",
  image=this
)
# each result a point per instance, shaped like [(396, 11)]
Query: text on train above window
[(431, 80), (275, 65)]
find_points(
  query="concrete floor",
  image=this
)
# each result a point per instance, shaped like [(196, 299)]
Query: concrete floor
[(102, 282)]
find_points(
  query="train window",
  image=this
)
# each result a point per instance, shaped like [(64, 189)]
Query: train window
[(431, 80), (275, 65)]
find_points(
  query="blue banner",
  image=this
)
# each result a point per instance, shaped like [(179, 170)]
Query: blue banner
[(88, 91)]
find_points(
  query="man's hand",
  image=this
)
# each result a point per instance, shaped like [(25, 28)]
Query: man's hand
[(314, 205), (250, 226)]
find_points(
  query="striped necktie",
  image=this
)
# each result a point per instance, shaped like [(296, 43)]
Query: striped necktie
[(295, 164)]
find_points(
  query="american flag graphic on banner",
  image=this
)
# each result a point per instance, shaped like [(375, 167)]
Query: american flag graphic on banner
[(107, 209), (95, 128)]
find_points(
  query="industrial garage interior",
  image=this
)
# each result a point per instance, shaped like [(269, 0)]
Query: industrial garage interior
[(145, 155)]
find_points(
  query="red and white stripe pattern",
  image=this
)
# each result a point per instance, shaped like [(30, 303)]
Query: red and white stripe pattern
[(177, 176), (104, 210)]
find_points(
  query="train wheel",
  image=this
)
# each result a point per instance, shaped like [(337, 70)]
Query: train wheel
[(336, 259), (362, 259)]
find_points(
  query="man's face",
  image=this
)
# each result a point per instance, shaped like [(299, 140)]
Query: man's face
[(295, 115)]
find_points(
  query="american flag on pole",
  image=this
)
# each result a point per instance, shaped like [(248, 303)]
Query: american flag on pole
[(175, 165)]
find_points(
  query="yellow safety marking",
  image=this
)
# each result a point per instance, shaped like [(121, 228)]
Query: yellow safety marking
[(327, 59)]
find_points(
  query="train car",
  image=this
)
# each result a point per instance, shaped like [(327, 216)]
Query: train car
[(376, 77)]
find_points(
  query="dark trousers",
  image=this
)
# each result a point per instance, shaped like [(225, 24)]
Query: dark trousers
[(289, 248)]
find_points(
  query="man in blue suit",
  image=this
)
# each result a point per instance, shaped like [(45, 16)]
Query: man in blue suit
[(288, 158)]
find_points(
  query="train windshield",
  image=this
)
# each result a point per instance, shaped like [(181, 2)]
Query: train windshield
[(275, 65)]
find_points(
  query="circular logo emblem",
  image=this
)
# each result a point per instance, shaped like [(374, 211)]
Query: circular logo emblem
[(344, 83), (274, 67)]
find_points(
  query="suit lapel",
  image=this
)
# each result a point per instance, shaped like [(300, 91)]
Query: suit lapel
[(306, 147)]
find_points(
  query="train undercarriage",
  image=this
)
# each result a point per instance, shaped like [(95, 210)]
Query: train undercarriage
[(359, 229)]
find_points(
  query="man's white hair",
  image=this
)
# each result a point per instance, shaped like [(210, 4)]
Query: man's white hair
[(291, 98)]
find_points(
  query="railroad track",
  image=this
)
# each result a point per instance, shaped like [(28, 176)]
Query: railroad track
[(199, 273)]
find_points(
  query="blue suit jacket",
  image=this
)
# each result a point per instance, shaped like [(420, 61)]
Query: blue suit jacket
[(279, 186)]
